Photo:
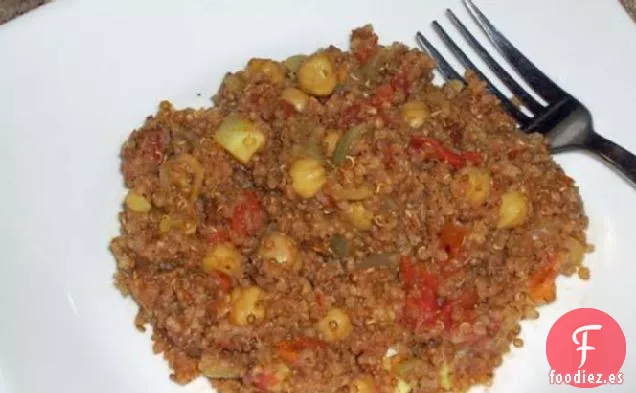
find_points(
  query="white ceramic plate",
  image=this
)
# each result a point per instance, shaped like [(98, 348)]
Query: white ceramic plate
[(77, 76)]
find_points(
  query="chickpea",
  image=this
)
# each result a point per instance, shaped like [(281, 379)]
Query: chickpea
[(281, 248), (240, 137), (513, 211), (293, 63), (271, 69), (295, 98), (308, 176), (336, 325), (364, 384), (330, 141), (316, 75), (415, 113), (360, 217), (402, 386), (137, 203), (224, 258), (245, 307), (475, 184)]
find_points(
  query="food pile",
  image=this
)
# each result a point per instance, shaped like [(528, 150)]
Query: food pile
[(336, 222)]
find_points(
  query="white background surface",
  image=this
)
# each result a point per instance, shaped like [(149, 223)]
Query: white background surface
[(77, 76)]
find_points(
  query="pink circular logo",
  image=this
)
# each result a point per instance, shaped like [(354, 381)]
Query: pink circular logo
[(586, 348)]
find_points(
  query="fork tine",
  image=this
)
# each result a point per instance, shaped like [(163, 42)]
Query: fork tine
[(446, 69), (461, 56), (535, 78), (512, 84)]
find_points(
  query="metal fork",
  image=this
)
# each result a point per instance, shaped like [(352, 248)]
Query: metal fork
[(565, 122)]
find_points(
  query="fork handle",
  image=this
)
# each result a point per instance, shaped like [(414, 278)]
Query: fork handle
[(619, 157)]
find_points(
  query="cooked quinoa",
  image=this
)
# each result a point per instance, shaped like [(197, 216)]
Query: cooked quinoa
[(338, 223)]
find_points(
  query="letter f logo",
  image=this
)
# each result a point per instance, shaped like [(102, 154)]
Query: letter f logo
[(583, 344)]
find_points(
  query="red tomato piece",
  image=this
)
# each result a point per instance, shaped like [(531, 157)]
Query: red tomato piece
[(407, 272), (218, 237), (389, 156), (265, 381), (420, 306), (383, 95), (452, 238), (472, 157), (446, 315), (455, 160), (290, 350), (225, 281), (248, 216), (352, 115), (287, 108), (542, 283)]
